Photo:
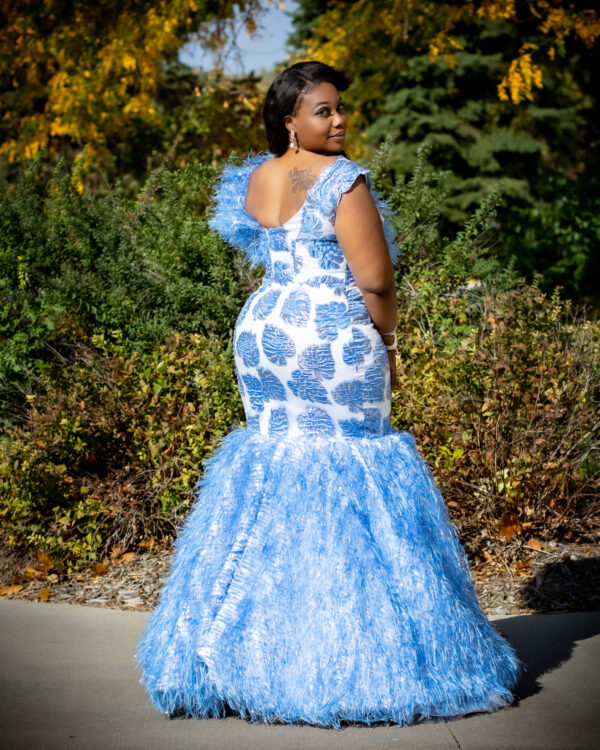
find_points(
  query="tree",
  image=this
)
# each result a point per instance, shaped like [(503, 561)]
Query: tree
[(483, 139), (362, 26), (80, 73)]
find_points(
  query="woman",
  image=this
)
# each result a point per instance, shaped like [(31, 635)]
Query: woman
[(318, 577)]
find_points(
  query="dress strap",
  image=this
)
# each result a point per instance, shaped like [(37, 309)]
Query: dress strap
[(339, 180)]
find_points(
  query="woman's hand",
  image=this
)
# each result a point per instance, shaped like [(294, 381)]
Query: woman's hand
[(393, 372)]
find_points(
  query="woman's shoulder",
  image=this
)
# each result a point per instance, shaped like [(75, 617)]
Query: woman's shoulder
[(348, 166), (339, 181), (341, 176)]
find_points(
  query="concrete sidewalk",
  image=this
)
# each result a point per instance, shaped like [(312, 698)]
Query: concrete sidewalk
[(69, 681)]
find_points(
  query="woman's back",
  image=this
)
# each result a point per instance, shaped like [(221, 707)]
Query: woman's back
[(278, 187)]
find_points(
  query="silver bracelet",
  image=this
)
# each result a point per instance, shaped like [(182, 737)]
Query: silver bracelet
[(394, 345)]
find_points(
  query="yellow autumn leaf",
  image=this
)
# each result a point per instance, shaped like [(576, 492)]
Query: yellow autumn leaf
[(44, 594), (129, 62), (10, 589)]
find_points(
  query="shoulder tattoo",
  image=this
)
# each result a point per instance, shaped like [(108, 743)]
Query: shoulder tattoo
[(302, 179)]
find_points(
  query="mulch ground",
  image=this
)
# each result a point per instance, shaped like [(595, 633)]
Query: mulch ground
[(511, 578)]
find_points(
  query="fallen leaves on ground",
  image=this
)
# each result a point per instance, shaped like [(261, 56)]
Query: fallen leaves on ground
[(44, 594), (10, 589), (509, 526), (511, 576)]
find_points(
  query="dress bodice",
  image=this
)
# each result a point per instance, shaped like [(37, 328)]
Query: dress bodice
[(308, 357), (305, 247)]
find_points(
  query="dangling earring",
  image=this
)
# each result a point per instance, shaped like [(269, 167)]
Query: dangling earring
[(292, 143)]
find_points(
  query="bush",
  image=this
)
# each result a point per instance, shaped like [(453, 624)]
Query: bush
[(111, 453), (499, 382), (558, 236), (502, 393), (118, 319), (74, 265)]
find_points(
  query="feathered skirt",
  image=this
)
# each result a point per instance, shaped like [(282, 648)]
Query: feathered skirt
[(321, 580)]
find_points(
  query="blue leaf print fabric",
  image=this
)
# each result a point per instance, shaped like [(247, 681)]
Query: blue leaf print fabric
[(265, 304), (354, 351), (296, 308), (247, 349), (277, 344), (315, 421), (318, 577), (318, 360), (308, 298), (307, 388), (278, 421), (330, 318)]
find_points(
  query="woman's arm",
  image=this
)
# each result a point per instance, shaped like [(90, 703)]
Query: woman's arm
[(360, 234)]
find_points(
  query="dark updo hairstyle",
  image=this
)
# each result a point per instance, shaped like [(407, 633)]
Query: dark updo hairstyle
[(285, 96)]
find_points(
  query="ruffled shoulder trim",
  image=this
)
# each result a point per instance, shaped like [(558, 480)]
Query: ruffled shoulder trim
[(340, 179), (229, 218)]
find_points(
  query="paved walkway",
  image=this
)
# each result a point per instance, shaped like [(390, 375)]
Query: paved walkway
[(68, 680)]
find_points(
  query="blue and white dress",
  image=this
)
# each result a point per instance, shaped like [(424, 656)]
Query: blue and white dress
[(318, 577)]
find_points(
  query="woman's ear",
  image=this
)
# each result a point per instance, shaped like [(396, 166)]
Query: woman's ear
[(288, 121)]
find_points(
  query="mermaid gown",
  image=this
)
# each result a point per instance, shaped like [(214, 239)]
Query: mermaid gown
[(318, 576)]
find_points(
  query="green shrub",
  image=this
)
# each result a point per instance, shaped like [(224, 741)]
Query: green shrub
[(111, 453), (499, 382), (117, 322), (74, 265), (502, 397), (558, 236)]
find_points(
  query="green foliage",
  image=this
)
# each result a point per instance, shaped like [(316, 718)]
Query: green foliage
[(111, 453), (205, 114), (502, 393), (479, 139), (561, 234), (74, 265), (499, 382), (96, 75), (418, 204), (120, 313)]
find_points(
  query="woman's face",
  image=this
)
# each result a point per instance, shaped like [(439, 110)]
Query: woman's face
[(320, 117)]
